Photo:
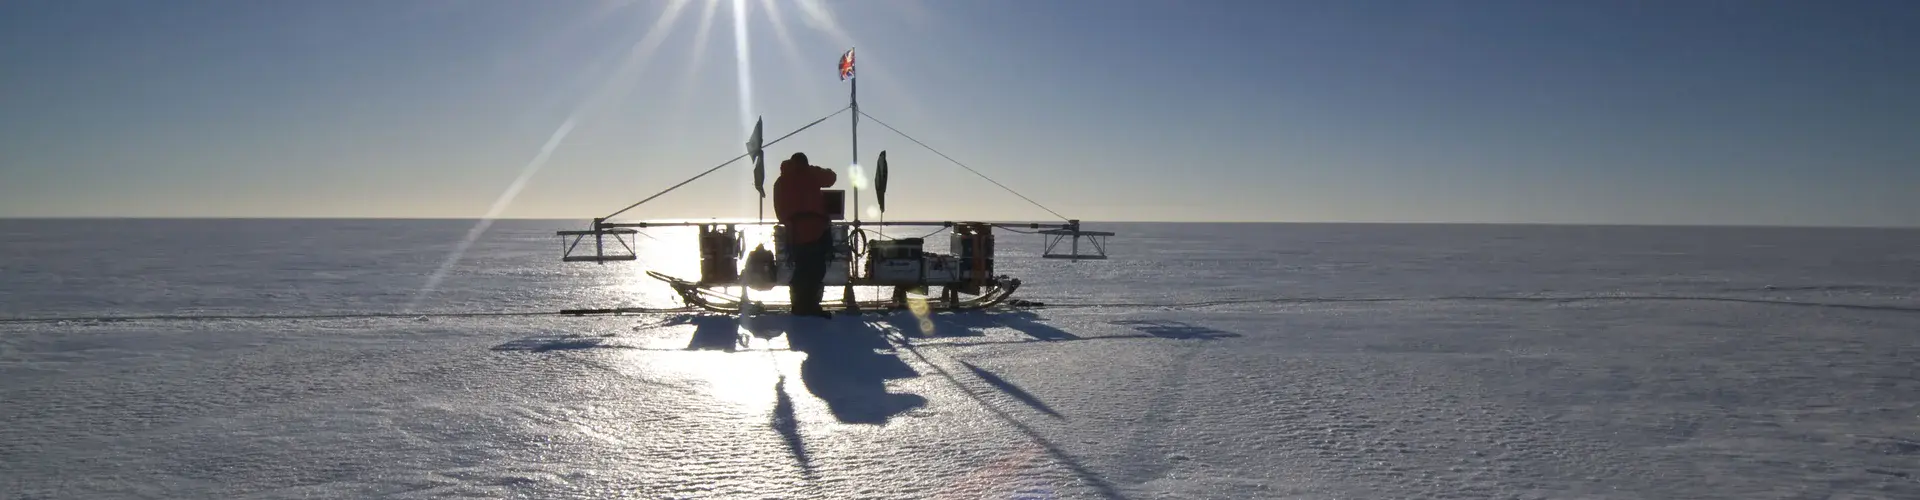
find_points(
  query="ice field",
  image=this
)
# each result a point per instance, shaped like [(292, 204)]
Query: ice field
[(1203, 361)]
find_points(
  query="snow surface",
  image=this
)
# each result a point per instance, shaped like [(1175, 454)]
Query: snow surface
[(1308, 361)]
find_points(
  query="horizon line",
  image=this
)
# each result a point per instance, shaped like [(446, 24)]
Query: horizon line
[(1082, 221)]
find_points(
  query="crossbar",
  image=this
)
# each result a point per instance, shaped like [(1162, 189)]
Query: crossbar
[(570, 243), (1096, 240), (622, 225)]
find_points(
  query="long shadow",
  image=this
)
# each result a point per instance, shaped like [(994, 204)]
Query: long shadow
[(716, 333), (1012, 390), (1176, 329), (844, 369), (942, 325), (1470, 298), (789, 427), (1100, 484), (1150, 329), (1179, 305), (769, 325), (536, 345), (710, 332), (539, 344), (1027, 322), (975, 323), (971, 343)]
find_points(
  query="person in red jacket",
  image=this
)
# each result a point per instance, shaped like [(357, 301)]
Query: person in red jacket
[(799, 206)]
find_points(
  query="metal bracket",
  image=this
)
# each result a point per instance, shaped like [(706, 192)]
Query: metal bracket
[(570, 243), (1096, 243)]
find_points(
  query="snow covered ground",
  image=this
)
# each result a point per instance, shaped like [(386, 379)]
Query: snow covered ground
[(1204, 361)]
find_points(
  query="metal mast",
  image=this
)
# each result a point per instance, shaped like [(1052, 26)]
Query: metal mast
[(853, 101)]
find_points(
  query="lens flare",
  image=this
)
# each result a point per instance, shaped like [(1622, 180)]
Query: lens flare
[(493, 212), (917, 304), (614, 88), (857, 176)]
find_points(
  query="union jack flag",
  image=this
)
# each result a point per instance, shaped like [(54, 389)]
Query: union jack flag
[(846, 65)]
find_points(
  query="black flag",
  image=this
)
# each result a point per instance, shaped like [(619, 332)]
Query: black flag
[(880, 182), (759, 160)]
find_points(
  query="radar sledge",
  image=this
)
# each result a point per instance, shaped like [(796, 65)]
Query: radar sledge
[(861, 256)]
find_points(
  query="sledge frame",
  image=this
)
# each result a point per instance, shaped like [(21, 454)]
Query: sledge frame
[(733, 295), (716, 299), (975, 279), (570, 245), (1096, 242)]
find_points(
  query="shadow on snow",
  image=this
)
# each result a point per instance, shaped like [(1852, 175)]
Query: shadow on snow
[(788, 426), (851, 358), (1176, 329), (846, 370), (1012, 390), (724, 333), (975, 324)]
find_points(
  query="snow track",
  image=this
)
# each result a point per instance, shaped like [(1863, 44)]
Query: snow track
[(1593, 367)]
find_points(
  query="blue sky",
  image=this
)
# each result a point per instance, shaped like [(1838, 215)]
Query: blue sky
[(1637, 112)]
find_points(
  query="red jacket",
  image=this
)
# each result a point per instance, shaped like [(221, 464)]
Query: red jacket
[(797, 201)]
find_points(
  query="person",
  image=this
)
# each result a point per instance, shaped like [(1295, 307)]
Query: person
[(801, 208)]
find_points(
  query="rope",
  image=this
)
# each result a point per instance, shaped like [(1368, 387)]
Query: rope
[(1547, 299), (963, 165), (191, 317), (728, 162), (1017, 305), (929, 235), (360, 315)]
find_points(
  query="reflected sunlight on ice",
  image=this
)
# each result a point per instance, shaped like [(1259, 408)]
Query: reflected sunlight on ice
[(1383, 362)]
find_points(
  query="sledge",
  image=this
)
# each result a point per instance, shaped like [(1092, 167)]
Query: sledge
[(964, 276)]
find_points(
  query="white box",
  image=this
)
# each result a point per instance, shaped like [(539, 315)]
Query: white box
[(897, 271)]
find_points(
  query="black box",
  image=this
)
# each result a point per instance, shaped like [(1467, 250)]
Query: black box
[(835, 201), (903, 248)]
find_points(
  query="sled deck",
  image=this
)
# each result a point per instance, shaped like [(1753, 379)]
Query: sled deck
[(997, 293)]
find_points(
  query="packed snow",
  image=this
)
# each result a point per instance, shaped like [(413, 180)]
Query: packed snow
[(279, 359)]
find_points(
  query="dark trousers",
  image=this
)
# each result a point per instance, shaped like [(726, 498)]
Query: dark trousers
[(809, 270)]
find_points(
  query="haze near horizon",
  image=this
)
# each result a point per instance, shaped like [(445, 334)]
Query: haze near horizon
[(1772, 113)]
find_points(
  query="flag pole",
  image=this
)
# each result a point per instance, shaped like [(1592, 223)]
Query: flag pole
[(853, 101), (755, 149)]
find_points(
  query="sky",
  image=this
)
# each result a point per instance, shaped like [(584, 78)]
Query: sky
[(1514, 111)]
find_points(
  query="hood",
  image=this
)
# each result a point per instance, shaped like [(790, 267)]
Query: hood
[(790, 165)]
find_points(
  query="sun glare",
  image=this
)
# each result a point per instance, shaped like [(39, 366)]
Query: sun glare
[(857, 176), (821, 19), (699, 50), (743, 59), (493, 212), (744, 383), (615, 88), (787, 46), (670, 251)]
